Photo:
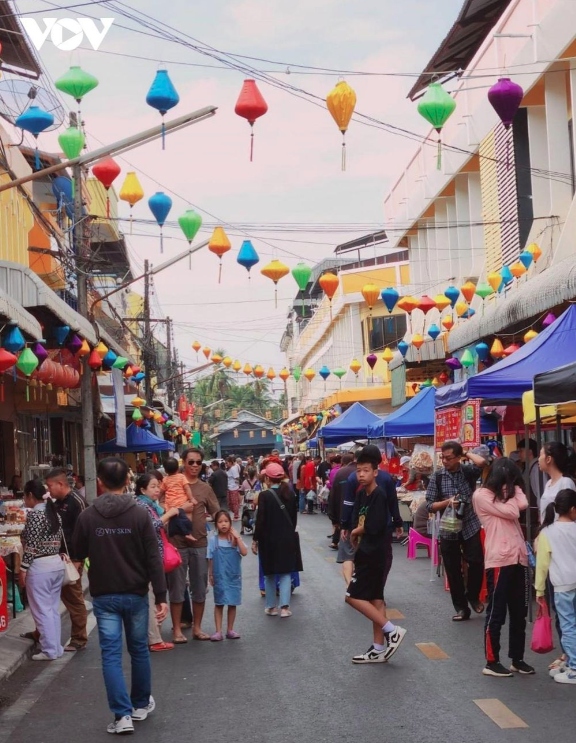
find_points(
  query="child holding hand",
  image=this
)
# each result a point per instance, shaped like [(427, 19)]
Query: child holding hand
[(225, 552)]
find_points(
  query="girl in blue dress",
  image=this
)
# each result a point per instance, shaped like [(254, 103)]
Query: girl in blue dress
[(225, 552)]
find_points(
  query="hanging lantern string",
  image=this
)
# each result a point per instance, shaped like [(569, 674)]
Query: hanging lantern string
[(343, 150), (251, 143)]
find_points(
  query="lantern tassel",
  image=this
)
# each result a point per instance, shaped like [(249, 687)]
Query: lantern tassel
[(27, 391), (37, 165), (163, 134), (130, 220), (439, 155), (107, 206), (343, 152), (220, 271), (161, 240), (251, 143), (275, 296)]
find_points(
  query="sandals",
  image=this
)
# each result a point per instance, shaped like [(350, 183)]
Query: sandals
[(202, 637), (158, 647), (180, 640)]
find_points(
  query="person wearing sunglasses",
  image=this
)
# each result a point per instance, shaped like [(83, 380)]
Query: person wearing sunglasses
[(194, 563)]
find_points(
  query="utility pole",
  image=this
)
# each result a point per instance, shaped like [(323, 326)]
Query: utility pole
[(147, 355), (170, 384)]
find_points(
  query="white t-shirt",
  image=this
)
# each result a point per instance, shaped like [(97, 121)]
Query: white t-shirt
[(551, 490), (233, 477)]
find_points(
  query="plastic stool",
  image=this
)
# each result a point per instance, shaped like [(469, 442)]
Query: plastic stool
[(414, 539)]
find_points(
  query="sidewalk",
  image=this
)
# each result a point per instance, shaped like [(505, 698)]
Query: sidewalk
[(14, 650)]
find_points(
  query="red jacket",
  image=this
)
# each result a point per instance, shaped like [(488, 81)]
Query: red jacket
[(309, 476)]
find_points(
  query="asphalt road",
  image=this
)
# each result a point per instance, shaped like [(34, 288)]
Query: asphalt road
[(292, 679)]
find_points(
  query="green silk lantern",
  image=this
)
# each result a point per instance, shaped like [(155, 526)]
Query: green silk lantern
[(436, 106), (27, 363), (483, 291), (120, 362), (77, 83), (71, 142), (297, 373), (137, 415), (467, 359), (301, 273), (190, 222)]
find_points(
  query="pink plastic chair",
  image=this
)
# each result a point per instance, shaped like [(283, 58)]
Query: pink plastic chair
[(414, 539)]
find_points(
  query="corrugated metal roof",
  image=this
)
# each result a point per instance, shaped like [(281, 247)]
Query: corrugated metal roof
[(553, 286), (12, 312), (474, 22), (17, 54)]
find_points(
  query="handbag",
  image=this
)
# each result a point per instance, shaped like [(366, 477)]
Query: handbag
[(71, 574), (542, 638), (172, 558)]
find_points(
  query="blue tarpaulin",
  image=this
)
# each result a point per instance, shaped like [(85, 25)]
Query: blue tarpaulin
[(506, 381), (137, 439), (352, 424), (416, 418)]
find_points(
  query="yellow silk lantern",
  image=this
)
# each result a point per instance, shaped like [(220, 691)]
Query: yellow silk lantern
[(355, 366), (131, 192), (497, 349), (247, 369), (216, 359), (388, 355), (309, 374), (530, 335), (371, 294), (284, 374), (137, 402), (341, 101), (227, 361), (441, 301), (448, 322), (84, 349), (494, 279), (461, 308), (535, 251), (275, 270), (271, 374), (417, 342), (236, 366), (101, 349), (219, 245), (258, 371), (196, 346)]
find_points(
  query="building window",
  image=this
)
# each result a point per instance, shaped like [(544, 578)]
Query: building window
[(386, 331)]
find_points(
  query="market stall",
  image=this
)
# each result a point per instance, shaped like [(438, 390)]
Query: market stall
[(352, 424), (137, 440)]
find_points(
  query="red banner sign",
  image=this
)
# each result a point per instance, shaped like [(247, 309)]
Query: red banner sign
[(458, 424)]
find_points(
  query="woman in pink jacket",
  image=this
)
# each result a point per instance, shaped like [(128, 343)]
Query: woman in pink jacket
[(498, 505)]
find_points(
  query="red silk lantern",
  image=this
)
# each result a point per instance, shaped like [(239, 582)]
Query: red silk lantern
[(250, 105), (426, 304), (106, 171), (7, 361), (94, 360)]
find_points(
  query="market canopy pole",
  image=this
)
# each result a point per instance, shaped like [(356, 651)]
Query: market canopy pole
[(117, 148)]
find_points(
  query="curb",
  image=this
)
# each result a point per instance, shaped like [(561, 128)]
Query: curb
[(15, 650)]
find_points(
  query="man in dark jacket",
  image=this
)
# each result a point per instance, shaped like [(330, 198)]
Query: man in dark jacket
[(337, 492), (218, 481), (119, 539)]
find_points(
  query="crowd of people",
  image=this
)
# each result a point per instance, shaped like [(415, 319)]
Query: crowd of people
[(155, 551)]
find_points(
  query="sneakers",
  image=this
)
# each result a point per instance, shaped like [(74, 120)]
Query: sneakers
[(496, 669), (284, 613), (518, 666), (123, 726), (142, 713), (394, 639), (566, 677), (41, 656), (273, 612), (371, 656), (556, 669)]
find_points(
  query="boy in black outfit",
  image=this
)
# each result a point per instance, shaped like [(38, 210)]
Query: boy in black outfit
[(366, 589)]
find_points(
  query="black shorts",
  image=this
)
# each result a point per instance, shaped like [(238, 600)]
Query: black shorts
[(367, 581)]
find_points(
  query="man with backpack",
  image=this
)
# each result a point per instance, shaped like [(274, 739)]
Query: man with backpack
[(453, 486)]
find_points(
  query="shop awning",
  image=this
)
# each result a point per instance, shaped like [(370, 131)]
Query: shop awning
[(12, 312), (137, 440), (505, 382), (353, 424), (28, 289), (556, 386)]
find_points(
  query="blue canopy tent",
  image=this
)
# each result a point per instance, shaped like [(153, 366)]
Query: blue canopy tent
[(352, 424), (505, 382), (137, 439), (416, 418)]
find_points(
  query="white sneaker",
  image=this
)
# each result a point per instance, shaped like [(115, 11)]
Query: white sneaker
[(370, 656), (143, 712), (285, 613), (123, 726), (394, 639), (568, 676), (273, 612), (560, 668), (41, 656)]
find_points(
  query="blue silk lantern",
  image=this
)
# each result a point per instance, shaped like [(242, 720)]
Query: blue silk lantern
[(434, 331), (13, 340), (61, 333), (109, 359), (506, 274), (526, 259), (63, 191), (403, 348), (162, 96), (247, 256), (324, 372), (482, 351), (138, 377), (389, 296), (160, 206), (35, 120), (468, 314), (452, 293)]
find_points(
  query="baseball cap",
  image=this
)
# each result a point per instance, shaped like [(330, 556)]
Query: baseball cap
[(274, 471)]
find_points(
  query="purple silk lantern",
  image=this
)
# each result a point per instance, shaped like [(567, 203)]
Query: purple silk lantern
[(506, 97), (548, 320), (40, 352), (74, 344), (371, 360), (453, 363)]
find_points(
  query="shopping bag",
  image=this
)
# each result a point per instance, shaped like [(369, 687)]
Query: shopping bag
[(71, 574), (542, 639), (172, 558), (450, 524)]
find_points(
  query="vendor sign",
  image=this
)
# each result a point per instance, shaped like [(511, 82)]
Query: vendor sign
[(458, 424)]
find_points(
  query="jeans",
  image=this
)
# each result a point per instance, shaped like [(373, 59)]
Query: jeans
[(302, 501), (112, 612), (565, 602), (284, 587)]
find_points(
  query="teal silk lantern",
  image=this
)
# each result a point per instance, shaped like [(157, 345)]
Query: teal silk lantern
[(506, 274), (160, 205), (35, 120), (162, 96), (526, 259), (452, 293), (248, 257), (436, 106), (13, 339), (403, 348), (109, 359)]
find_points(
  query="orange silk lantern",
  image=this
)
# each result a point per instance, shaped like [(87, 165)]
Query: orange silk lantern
[(448, 322), (534, 251), (329, 283), (258, 371), (219, 245), (196, 346), (341, 101), (408, 304), (236, 366), (216, 359), (517, 269), (497, 349), (227, 361), (468, 291), (247, 369), (207, 351), (417, 341), (271, 374), (309, 374), (284, 374), (275, 270)]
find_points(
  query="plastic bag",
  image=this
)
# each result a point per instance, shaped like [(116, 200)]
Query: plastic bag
[(542, 638), (450, 524)]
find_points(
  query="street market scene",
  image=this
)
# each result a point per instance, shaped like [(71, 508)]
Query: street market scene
[(283, 401)]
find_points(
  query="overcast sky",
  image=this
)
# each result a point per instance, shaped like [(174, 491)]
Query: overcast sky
[(295, 178)]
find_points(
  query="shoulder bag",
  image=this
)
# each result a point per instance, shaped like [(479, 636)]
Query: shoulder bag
[(71, 574), (299, 566), (172, 558)]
